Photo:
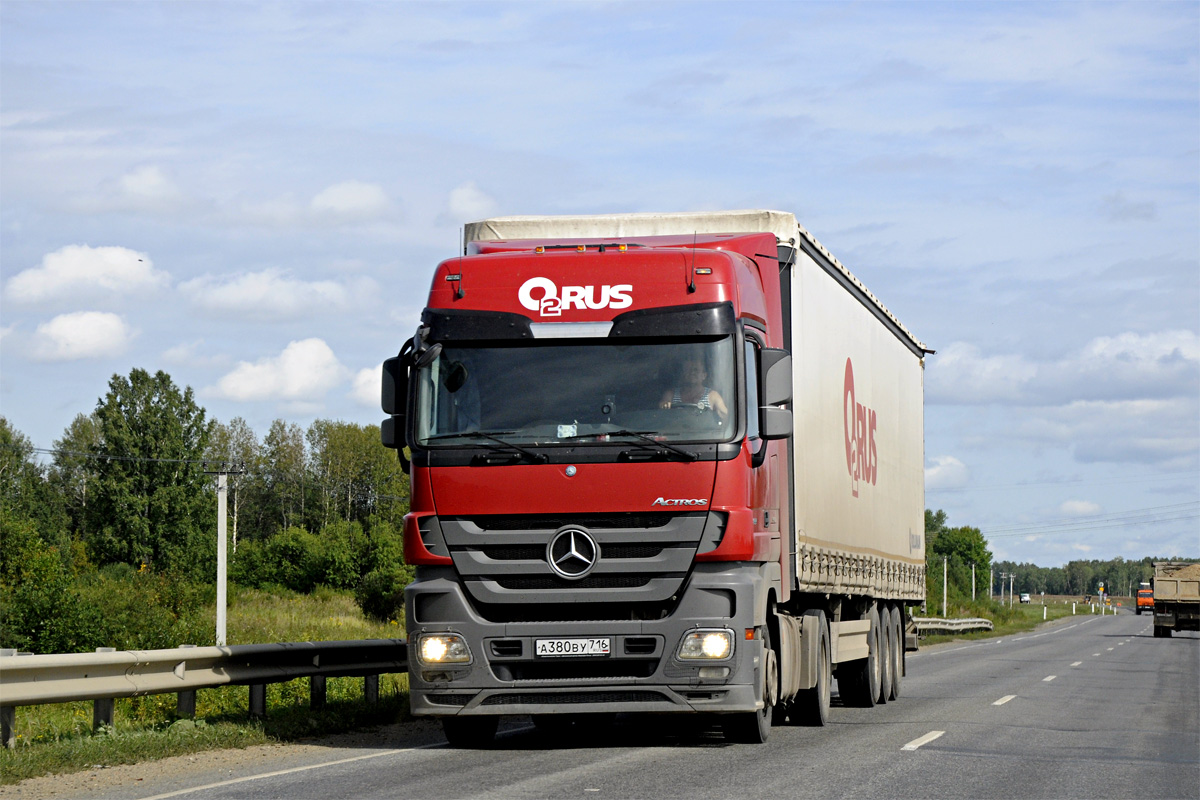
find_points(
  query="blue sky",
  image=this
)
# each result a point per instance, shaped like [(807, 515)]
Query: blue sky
[(253, 196)]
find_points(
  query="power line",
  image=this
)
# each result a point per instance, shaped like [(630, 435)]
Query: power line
[(1156, 515), (1108, 516)]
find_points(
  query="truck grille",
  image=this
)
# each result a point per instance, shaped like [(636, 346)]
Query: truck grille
[(643, 560)]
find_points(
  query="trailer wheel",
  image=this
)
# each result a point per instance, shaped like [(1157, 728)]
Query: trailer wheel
[(753, 727), (470, 732), (858, 681), (887, 647), (811, 706), (896, 620)]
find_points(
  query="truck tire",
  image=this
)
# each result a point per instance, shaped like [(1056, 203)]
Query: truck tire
[(887, 647), (472, 733), (754, 727), (897, 623), (811, 706), (1162, 632), (858, 681)]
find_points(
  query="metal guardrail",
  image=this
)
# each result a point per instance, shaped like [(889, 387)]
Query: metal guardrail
[(107, 674), (935, 625)]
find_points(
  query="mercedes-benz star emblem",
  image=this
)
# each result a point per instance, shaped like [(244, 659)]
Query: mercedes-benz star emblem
[(572, 553)]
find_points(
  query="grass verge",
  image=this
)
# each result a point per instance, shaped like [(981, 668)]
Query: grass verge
[(1017, 619), (55, 739)]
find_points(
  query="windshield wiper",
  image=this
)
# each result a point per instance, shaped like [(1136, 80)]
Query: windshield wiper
[(650, 441), (530, 454)]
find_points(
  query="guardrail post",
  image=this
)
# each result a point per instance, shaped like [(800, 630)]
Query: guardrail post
[(185, 702), (316, 691), (8, 721), (371, 689), (258, 700), (102, 709), (8, 716)]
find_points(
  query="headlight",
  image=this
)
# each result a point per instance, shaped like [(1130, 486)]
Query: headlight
[(711, 644), (443, 648)]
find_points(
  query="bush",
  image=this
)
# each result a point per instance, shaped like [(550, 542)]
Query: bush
[(381, 593)]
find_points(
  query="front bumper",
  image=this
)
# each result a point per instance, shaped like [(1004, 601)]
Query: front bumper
[(642, 672)]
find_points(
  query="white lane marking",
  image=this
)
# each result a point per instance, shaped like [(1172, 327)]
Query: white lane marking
[(1076, 663), (1095, 654), (1110, 649), (1048, 678), (1120, 643), (248, 778), (926, 739), (1004, 699)]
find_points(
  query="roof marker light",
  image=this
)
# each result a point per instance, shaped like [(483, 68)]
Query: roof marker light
[(622, 247), (539, 249), (581, 247), (704, 270)]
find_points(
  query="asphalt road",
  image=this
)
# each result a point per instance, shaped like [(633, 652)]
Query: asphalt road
[(1090, 707)]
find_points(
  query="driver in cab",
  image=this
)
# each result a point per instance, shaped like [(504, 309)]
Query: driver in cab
[(692, 392)]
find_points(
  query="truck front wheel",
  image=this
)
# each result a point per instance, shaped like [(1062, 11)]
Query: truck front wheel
[(754, 727)]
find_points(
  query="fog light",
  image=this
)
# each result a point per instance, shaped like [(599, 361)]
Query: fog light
[(443, 648), (714, 672), (710, 644)]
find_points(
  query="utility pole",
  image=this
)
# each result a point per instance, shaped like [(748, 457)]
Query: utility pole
[(991, 583), (945, 560), (1010, 588), (972, 581), (222, 472), (222, 491)]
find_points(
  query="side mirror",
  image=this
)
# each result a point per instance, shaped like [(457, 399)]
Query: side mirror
[(775, 422), (777, 376)]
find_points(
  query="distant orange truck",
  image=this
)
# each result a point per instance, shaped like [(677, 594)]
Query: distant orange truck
[(1145, 599)]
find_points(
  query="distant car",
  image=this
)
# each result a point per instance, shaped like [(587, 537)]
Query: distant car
[(1024, 597)]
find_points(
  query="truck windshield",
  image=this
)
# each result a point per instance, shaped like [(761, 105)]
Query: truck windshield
[(579, 391)]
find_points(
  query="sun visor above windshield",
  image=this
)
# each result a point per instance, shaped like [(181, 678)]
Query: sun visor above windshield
[(705, 319), (455, 325)]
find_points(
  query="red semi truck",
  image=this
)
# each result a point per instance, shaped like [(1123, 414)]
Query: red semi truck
[(660, 463)]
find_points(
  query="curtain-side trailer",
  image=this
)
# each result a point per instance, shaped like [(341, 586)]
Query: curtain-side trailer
[(660, 463)]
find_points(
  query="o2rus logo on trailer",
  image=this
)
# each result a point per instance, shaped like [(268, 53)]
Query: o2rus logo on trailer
[(859, 423)]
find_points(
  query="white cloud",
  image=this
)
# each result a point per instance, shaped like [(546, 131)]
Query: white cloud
[(193, 354), (146, 189), (274, 294), (1128, 366), (149, 186), (351, 201), (1079, 508), (947, 472), (469, 203), (84, 334), (303, 372), (1161, 432), (960, 373), (366, 386), (79, 270)]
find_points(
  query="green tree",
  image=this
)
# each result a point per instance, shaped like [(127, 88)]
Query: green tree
[(24, 492), (151, 502), (283, 476), (73, 472), (236, 447), (355, 476)]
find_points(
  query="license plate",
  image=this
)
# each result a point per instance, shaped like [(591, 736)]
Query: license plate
[(571, 647)]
